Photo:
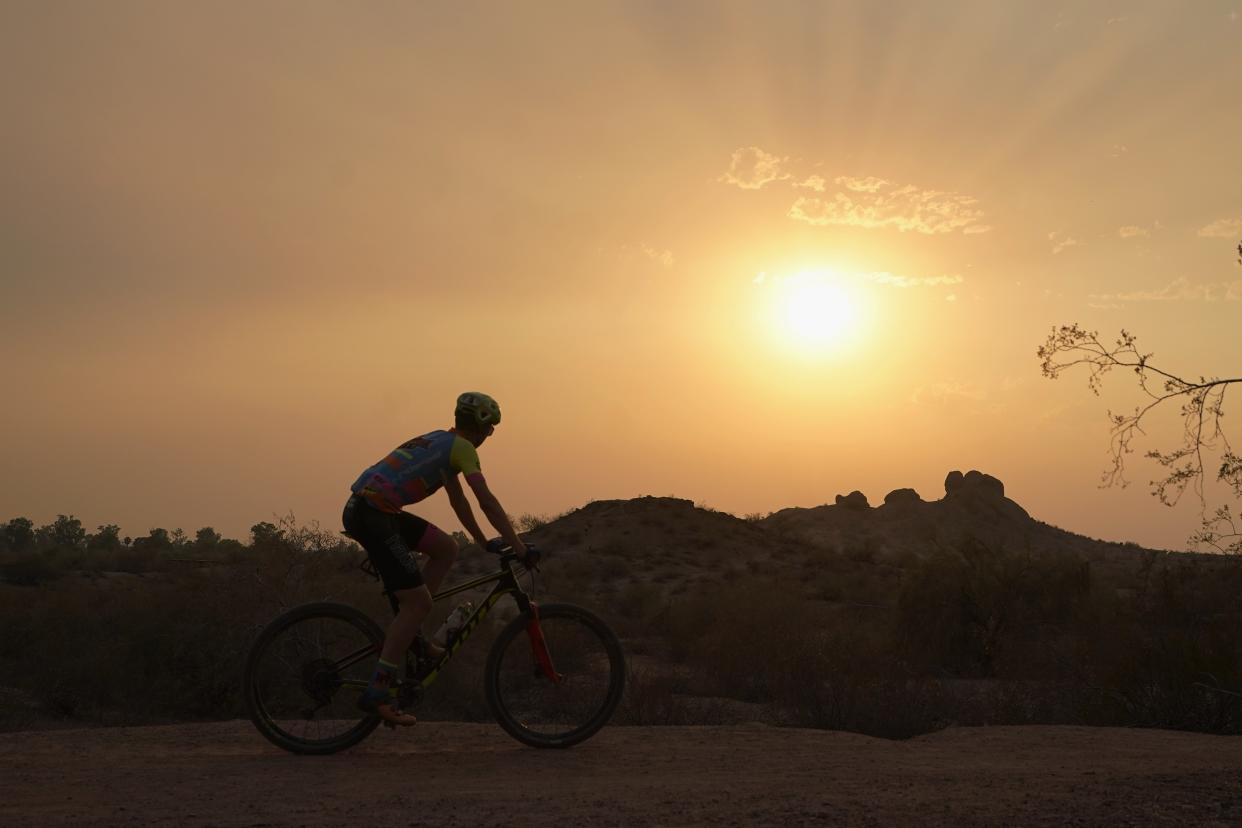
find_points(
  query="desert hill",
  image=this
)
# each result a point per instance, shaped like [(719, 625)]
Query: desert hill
[(974, 505), (847, 548)]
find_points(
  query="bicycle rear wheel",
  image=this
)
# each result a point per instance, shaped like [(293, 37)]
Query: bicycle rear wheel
[(304, 675), (555, 712)]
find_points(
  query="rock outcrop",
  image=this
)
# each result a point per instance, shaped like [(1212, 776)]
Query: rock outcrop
[(977, 491), (973, 483), (902, 497), (853, 500)]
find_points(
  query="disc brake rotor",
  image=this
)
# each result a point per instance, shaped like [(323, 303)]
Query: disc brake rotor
[(320, 680)]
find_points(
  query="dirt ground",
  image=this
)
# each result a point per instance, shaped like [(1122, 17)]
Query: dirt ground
[(462, 774)]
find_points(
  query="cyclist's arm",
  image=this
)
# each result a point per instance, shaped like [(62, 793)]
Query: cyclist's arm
[(495, 512), (457, 499)]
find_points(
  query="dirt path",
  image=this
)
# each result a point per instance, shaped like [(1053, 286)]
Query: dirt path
[(457, 774)]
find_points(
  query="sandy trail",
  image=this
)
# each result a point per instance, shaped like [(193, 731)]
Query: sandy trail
[(462, 774)]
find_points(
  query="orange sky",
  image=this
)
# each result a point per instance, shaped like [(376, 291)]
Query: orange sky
[(249, 248)]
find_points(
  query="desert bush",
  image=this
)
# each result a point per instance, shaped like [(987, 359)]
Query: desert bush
[(884, 706), (530, 522), (167, 650), (962, 610), (30, 569), (166, 645), (1172, 657), (635, 608), (654, 698)]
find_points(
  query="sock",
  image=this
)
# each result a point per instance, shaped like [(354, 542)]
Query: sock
[(384, 677)]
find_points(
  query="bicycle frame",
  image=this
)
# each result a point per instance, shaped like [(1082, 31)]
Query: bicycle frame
[(506, 584)]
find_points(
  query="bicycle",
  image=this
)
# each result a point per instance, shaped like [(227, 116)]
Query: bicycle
[(307, 668)]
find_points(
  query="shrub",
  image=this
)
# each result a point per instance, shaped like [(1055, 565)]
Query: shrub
[(30, 569), (963, 610)]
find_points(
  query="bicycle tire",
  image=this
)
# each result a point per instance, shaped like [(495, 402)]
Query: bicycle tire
[(264, 720), (560, 622)]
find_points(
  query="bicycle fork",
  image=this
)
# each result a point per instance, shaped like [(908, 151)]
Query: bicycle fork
[(539, 648)]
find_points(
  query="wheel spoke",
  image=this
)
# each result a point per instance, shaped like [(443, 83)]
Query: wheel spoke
[(539, 710), (304, 677)]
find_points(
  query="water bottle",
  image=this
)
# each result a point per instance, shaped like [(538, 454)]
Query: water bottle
[(455, 621)]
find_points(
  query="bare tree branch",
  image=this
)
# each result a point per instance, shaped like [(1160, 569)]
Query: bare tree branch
[(1202, 410)]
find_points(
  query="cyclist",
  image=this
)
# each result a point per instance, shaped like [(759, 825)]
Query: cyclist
[(393, 537)]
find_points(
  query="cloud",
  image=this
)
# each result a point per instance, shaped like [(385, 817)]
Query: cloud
[(873, 203), (1119, 150), (858, 201), (750, 168), (814, 182), (1059, 411), (1060, 241), (1225, 228), (885, 278), (1179, 290), (664, 257), (942, 393), (1134, 231), (869, 184)]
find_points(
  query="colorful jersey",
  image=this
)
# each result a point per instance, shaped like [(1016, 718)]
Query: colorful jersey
[(415, 469)]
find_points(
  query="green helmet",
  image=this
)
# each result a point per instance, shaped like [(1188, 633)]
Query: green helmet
[(482, 409)]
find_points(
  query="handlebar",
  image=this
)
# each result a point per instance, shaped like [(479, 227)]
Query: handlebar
[(506, 553)]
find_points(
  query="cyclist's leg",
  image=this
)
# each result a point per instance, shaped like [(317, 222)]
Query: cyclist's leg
[(441, 549), (414, 605), (382, 534)]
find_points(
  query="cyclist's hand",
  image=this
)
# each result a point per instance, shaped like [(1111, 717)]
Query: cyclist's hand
[(531, 559)]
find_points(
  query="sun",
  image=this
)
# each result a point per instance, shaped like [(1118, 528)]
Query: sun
[(815, 311)]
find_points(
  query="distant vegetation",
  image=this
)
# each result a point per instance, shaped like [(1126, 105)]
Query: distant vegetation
[(100, 628)]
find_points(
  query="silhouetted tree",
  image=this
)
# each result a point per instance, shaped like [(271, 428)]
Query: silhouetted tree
[(107, 539), (65, 532), (206, 539), (1204, 448), (157, 540), (264, 534), (18, 534)]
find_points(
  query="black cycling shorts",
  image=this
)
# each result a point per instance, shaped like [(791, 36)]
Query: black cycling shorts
[(391, 541)]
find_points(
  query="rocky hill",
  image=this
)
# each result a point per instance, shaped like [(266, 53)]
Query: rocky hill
[(676, 545), (974, 505), (904, 525)]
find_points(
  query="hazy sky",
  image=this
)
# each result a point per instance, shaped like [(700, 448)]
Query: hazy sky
[(250, 247)]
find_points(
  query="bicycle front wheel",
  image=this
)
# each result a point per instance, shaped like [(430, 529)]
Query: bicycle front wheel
[(305, 673), (572, 704)]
